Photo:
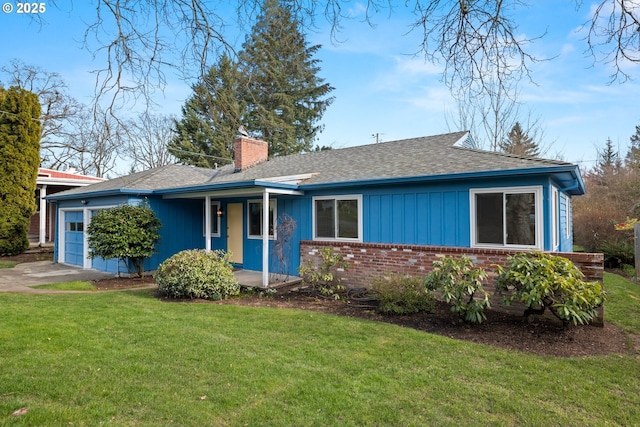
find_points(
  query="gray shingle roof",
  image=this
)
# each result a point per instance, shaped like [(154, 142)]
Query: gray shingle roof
[(432, 155), (426, 156)]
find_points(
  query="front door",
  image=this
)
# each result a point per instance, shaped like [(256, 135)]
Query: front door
[(234, 231)]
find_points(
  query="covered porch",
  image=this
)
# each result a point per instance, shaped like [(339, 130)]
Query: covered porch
[(234, 231), (254, 279)]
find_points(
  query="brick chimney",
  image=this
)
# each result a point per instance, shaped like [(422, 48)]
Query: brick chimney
[(248, 152)]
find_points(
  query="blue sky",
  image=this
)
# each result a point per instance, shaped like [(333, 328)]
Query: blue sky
[(380, 88)]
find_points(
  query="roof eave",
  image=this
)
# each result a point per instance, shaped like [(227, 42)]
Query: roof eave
[(102, 193), (457, 176)]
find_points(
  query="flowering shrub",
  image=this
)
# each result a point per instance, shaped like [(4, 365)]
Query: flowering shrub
[(627, 225), (197, 274)]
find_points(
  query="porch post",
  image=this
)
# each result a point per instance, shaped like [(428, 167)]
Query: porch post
[(207, 223), (265, 238), (42, 234)]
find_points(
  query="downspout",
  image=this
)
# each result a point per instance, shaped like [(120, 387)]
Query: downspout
[(42, 234), (207, 223), (265, 238)]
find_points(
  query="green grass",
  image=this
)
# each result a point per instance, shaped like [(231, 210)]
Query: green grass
[(623, 303), (75, 285), (8, 264), (128, 359)]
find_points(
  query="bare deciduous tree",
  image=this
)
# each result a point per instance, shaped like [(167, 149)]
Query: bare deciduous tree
[(96, 143), (488, 116), (476, 39), (58, 107), (148, 138), (614, 35)]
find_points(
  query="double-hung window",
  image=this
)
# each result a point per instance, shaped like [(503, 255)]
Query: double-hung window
[(337, 218), (507, 217), (254, 221)]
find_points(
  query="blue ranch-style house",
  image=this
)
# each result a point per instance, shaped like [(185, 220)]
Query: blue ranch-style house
[(436, 191)]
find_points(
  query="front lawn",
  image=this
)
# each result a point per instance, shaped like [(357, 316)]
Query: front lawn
[(127, 358), (74, 285), (8, 264)]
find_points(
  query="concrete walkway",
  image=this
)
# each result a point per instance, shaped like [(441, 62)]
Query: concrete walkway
[(26, 274)]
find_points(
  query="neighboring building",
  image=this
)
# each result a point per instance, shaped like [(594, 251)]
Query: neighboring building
[(49, 182), (432, 191)]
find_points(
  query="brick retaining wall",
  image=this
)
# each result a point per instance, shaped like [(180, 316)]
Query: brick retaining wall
[(369, 260)]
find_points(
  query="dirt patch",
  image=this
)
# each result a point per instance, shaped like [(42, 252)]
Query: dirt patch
[(543, 336)]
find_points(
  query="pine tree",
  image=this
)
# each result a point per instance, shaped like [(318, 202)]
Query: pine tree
[(608, 161), (519, 143), (285, 97), (210, 118), (19, 162)]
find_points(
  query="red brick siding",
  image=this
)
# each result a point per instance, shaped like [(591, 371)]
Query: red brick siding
[(369, 260)]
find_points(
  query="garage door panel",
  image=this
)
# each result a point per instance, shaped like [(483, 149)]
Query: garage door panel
[(74, 238)]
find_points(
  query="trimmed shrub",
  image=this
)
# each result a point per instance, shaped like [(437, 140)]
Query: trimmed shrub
[(398, 294), (460, 284), (20, 148), (542, 281), (129, 233), (197, 274)]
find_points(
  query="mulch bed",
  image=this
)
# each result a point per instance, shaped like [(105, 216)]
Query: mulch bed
[(542, 336)]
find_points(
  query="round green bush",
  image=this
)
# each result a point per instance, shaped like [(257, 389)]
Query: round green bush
[(197, 274)]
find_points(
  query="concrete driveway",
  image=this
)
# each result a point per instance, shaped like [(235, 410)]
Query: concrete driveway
[(26, 274)]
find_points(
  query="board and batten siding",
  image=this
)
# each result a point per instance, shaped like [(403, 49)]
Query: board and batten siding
[(417, 217)]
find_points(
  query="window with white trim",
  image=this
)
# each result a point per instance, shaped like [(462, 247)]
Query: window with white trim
[(567, 211), (507, 217), (215, 220), (337, 217), (254, 219), (555, 215)]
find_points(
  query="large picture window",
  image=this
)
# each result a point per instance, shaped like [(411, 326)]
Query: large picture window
[(254, 221), (337, 218), (507, 217)]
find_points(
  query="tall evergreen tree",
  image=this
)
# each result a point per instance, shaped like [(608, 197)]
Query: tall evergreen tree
[(210, 118), (19, 162), (608, 161), (285, 97), (633, 155), (519, 143)]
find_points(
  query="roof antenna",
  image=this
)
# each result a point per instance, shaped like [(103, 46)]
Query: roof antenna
[(376, 136)]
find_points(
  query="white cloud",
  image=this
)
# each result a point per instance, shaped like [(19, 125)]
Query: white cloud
[(406, 73), (430, 99)]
